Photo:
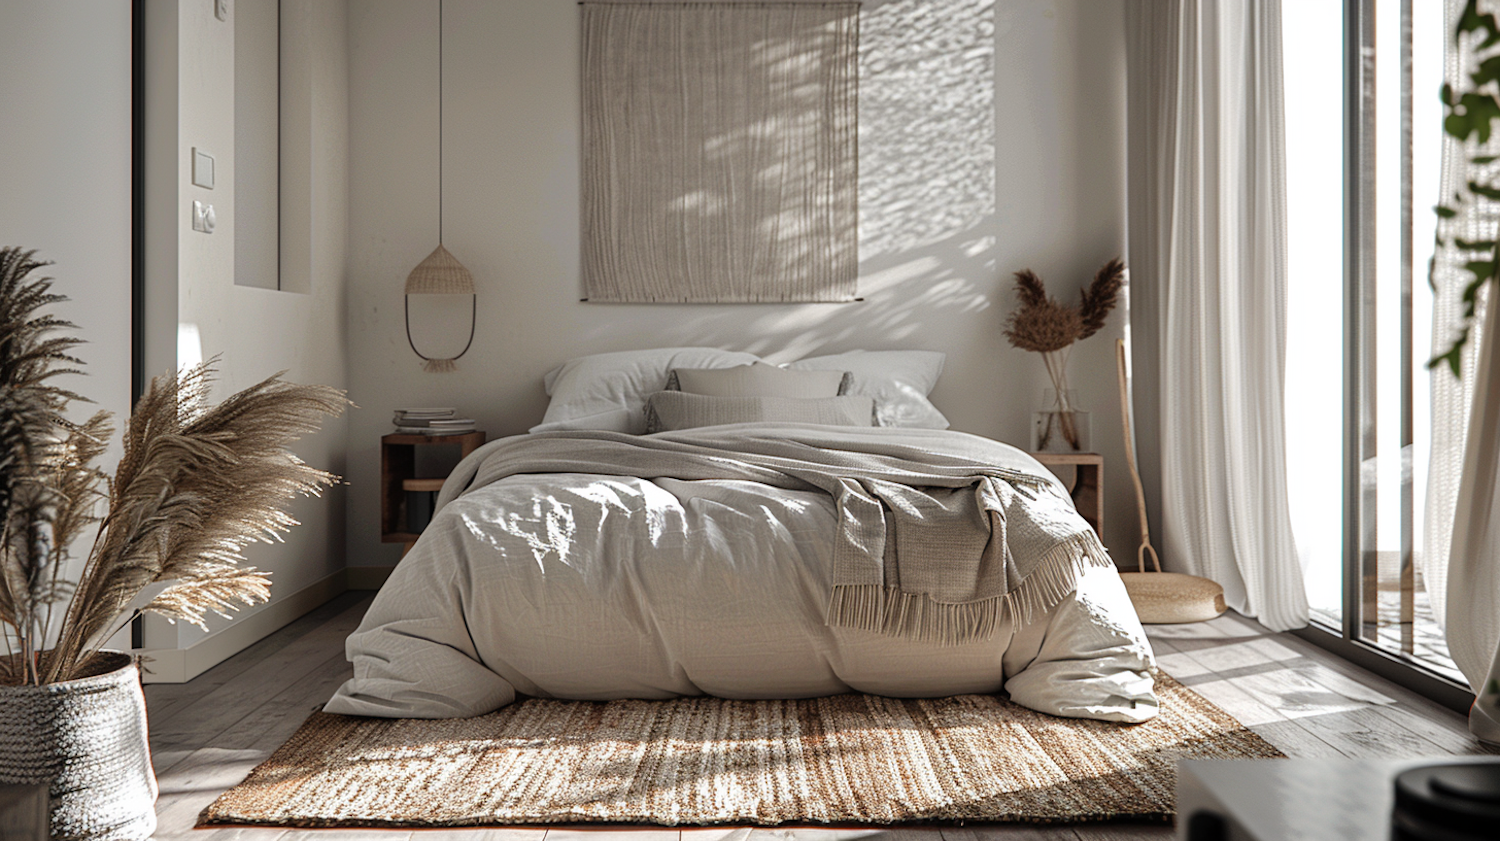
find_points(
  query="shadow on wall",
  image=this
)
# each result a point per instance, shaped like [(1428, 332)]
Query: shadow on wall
[(926, 123), (927, 191)]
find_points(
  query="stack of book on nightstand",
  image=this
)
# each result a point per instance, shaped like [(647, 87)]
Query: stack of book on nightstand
[(438, 421)]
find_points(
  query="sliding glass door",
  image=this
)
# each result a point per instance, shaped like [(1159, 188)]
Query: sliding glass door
[(1364, 148)]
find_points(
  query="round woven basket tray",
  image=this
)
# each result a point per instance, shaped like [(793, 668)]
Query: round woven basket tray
[(1169, 598)]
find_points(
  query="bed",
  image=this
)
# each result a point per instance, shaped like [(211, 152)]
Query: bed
[(648, 540)]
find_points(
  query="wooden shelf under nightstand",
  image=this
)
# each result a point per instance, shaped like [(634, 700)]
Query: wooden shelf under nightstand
[(398, 474), (1088, 483)]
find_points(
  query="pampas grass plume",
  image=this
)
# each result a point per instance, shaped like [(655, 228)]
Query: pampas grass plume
[(1043, 324), (197, 483)]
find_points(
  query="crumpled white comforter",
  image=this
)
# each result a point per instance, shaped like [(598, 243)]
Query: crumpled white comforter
[(599, 587)]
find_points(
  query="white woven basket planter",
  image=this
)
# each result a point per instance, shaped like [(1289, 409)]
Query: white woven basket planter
[(86, 738)]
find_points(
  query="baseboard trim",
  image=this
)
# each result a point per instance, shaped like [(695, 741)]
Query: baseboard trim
[(368, 578), (180, 665)]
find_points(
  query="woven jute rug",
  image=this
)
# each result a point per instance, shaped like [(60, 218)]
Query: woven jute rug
[(845, 759)]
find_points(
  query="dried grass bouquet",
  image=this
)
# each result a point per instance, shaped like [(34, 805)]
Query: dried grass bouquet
[(196, 484), (1043, 324)]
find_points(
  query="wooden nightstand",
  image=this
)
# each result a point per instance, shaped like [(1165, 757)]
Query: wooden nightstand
[(1088, 483), (398, 474)]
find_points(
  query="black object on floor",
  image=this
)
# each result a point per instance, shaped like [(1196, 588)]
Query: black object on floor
[(1447, 803)]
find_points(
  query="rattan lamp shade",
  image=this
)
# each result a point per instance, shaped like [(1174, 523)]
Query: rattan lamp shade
[(440, 274)]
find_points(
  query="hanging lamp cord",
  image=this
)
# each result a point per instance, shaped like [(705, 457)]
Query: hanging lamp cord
[(440, 122), (473, 299)]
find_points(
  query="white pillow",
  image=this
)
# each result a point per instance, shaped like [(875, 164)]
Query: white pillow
[(671, 410), (608, 390), (757, 380), (899, 380)]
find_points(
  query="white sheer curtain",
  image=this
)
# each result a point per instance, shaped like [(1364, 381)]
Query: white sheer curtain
[(1461, 563), (1473, 626), (1208, 267), (1451, 396)]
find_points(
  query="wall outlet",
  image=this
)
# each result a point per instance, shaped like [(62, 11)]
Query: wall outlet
[(203, 217)]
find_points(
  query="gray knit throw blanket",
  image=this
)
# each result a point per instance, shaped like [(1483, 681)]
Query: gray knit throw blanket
[(941, 534)]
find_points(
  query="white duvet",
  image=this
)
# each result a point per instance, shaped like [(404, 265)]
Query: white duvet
[(582, 586)]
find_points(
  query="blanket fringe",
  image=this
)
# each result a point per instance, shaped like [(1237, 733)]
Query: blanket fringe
[(917, 616)]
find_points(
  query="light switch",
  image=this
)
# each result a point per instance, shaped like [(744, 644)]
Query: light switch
[(221, 9), (203, 169)]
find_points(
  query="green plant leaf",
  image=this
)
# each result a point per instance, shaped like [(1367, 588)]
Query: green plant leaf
[(1454, 356), (1479, 189), (1472, 116), (1472, 21), (1481, 269), (1488, 71), (1471, 293)]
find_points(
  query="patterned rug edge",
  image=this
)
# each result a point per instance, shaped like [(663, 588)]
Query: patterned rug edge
[(208, 818), (1142, 818)]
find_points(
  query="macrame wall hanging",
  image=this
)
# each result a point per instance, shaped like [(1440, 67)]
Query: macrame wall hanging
[(719, 155), (441, 273)]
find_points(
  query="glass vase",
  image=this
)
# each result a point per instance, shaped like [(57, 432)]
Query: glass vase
[(1060, 427)]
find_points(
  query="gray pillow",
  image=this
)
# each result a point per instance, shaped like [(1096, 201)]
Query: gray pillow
[(899, 380), (608, 390), (757, 380), (669, 410)]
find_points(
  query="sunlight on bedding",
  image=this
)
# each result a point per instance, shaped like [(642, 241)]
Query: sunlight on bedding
[(550, 529)]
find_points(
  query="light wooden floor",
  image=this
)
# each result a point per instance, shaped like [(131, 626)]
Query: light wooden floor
[(207, 734)]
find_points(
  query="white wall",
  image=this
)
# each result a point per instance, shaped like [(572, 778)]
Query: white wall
[(65, 176), (258, 332), (968, 173), (65, 170)]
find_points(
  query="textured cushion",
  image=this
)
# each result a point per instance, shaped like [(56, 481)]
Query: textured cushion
[(757, 380), (898, 380), (608, 390), (668, 410)]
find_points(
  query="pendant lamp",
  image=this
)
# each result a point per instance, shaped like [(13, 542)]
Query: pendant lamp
[(1160, 598), (441, 273)]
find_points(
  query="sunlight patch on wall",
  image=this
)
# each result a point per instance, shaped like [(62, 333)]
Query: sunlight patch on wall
[(189, 345), (926, 122)]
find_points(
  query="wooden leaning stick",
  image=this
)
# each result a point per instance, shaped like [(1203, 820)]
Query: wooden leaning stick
[(1160, 598), (1135, 475)]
